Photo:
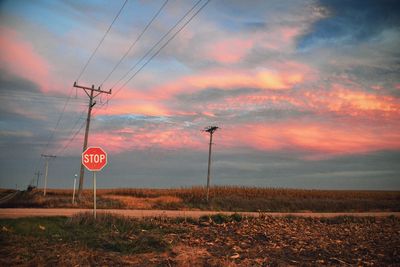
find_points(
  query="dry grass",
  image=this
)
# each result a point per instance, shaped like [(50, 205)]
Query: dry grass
[(143, 202), (229, 198), (235, 198)]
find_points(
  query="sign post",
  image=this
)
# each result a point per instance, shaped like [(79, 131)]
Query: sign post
[(94, 194), (94, 159)]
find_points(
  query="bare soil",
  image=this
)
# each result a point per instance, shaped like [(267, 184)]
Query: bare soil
[(214, 241)]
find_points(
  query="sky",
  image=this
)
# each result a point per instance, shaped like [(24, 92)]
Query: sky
[(306, 93)]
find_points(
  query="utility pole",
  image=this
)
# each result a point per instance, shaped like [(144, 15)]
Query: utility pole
[(38, 173), (47, 157), (210, 130), (90, 92)]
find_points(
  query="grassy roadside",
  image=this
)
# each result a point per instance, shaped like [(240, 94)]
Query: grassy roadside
[(217, 240), (227, 198)]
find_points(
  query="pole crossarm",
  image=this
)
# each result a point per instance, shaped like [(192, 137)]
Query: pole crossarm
[(92, 89), (211, 129)]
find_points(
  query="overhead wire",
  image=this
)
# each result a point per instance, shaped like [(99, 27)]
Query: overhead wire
[(156, 44), (61, 150), (101, 41), (149, 59), (72, 137), (135, 42), (38, 98), (160, 48), (163, 46), (78, 77)]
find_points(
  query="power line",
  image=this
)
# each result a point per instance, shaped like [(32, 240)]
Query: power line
[(101, 41), (156, 44), (58, 121), (134, 43), (73, 137), (81, 73), (31, 98), (62, 149), (164, 45), (154, 55)]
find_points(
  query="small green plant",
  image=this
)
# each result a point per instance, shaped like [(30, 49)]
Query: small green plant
[(220, 218)]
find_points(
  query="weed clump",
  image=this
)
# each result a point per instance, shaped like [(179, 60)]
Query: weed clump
[(221, 218), (120, 234)]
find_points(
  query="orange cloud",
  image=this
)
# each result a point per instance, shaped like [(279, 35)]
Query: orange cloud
[(352, 102), (280, 79), (366, 102), (150, 109), (272, 80), (20, 58), (313, 137)]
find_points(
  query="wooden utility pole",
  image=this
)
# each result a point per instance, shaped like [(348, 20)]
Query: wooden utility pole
[(210, 130), (38, 173), (92, 93), (47, 157)]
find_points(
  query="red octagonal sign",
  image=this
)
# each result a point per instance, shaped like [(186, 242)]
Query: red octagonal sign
[(94, 158)]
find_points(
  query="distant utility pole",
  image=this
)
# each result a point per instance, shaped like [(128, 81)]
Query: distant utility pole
[(210, 130), (38, 173), (47, 157), (90, 93)]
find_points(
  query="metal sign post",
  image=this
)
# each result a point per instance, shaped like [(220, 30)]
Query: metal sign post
[(94, 195)]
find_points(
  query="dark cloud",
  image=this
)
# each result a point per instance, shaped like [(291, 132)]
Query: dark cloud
[(11, 83), (351, 22), (377, 170)]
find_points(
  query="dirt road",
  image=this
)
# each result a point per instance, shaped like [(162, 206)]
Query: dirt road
[(18, 213)]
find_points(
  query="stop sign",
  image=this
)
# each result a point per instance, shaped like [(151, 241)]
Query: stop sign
[(94, 158)]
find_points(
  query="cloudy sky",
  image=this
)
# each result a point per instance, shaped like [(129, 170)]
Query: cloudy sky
[(307, 93)]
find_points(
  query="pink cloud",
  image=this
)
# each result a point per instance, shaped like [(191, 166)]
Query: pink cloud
[(229, 51), (280, 78), (311, 137), (140, 139), (354, 102), (20, 58), (147, 108), (314, 137)]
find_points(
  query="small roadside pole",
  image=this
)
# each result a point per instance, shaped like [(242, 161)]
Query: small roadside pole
[(38, 173), (47, 157), (94, 159), (73, 193)]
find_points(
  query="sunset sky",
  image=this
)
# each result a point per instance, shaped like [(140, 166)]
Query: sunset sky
[(307, 93)]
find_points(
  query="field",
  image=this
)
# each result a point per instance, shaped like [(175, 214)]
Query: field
[(222, 198), (209, 241)]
